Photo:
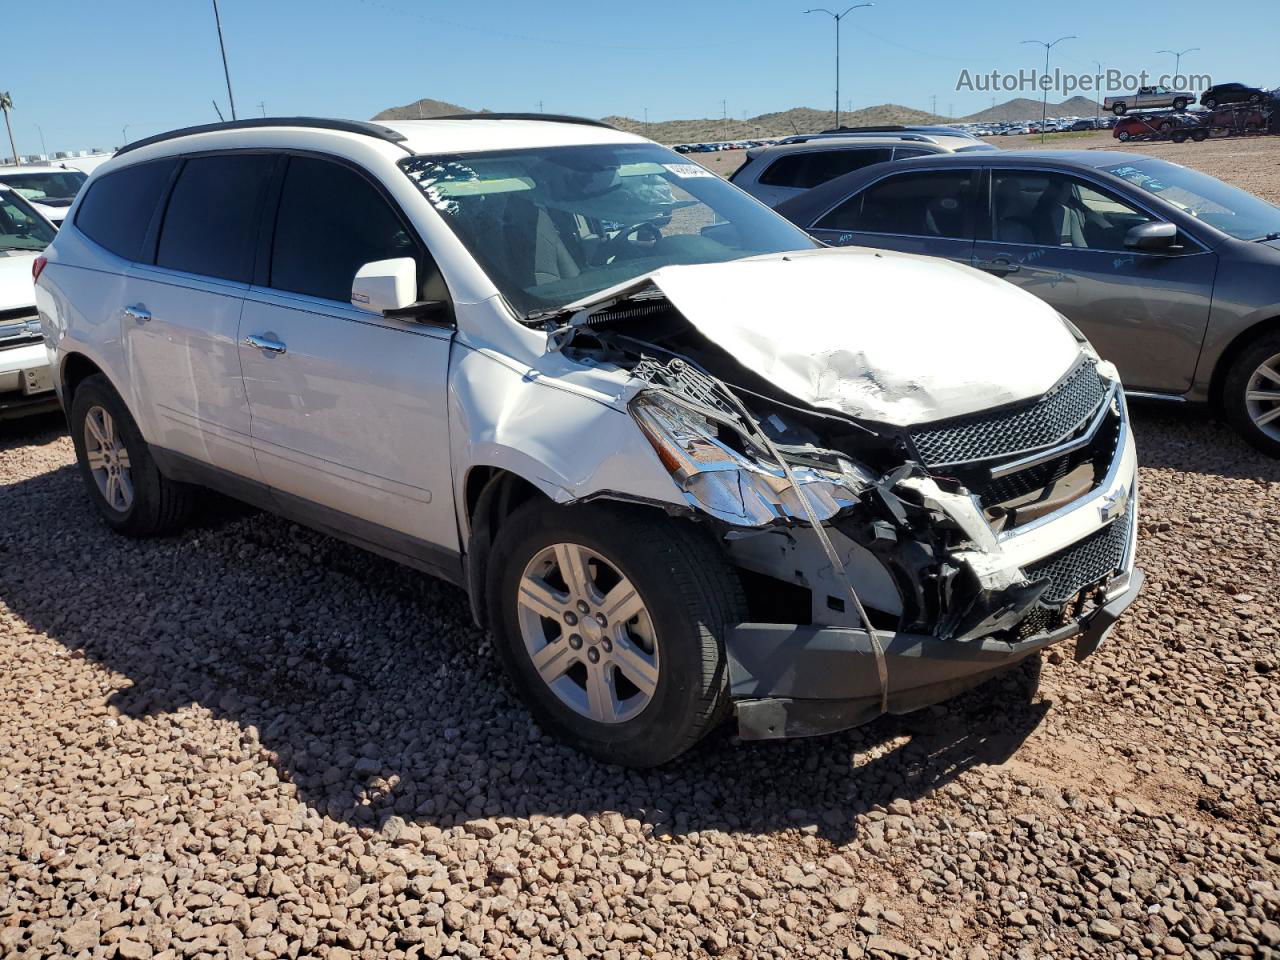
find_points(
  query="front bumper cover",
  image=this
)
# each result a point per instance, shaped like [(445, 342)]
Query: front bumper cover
[(800, 681)]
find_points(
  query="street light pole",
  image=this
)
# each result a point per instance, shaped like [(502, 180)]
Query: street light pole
[(1044, 108), (124, 135), (1177, 62), (217, 19), (1097, 100), (43, 148), (837, 17)]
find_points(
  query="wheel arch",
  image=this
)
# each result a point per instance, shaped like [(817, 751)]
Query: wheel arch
[(1237, 346), (76, 367)]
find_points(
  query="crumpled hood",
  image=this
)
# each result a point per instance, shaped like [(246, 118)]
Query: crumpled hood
[(889, 337), (17, 289)]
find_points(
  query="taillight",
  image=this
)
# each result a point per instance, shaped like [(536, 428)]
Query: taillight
[(38, 266)]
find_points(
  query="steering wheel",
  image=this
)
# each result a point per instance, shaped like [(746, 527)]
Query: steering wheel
[(619, 244)]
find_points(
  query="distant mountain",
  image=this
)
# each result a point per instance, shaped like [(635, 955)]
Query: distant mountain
[(784, 123), (1022, 108), (424, 110)]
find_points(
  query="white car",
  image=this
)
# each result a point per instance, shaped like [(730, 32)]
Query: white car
[(683, 459), (1148, 98), (26, 382), (49, 189)]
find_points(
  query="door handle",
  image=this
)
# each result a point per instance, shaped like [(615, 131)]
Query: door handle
[(137, 312), (999, 267), (263, 343)]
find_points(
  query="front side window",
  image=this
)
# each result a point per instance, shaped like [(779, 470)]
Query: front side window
[(118, 208), (1056, 210), (210, 225), (555, 224), (63, 185), (331, 222), (21, 228), (1229, 209), (926, 204)]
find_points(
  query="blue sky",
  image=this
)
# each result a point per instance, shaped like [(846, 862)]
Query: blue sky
[(84, 72)]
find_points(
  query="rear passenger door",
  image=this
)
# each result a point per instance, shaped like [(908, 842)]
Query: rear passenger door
[(925, 211), (182, 310), (349, 408), (792, 174)]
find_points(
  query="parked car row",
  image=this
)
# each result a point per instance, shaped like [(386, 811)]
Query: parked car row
[(813, 507)]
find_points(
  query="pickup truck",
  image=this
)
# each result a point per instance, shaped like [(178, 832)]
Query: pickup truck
[(1148, 98)]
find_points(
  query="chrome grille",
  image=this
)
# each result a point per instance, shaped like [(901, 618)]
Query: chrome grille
[(985, 436), (1084, 563)]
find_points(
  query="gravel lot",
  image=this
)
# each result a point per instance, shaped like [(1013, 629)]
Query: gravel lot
[(252, 741)]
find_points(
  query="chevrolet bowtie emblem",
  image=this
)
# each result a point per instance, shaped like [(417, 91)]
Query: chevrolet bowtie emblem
[(1113, 505)]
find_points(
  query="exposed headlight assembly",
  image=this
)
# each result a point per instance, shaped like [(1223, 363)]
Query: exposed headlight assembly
[(731, 484)]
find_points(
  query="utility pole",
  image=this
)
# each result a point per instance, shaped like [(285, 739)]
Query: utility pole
[(43, 148), (724, 120), (934, 108), (263, 107), (124, 135), (540, 110), (217, 19), (1177, 62), (1044, 108), (837, 17)]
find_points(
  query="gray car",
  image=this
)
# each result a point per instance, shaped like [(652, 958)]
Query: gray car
[(1173, 275)]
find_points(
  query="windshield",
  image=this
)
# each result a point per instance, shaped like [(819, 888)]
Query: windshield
[(63, 185), (21, 228), (552, 225), (1229, 209)]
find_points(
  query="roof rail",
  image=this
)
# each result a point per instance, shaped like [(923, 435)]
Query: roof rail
[(322, 123), (548, 117)]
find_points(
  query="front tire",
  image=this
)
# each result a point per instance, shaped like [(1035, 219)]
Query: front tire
[(1251, 394), (1210, 102), (610, 623), (1119, 109), (119, 473), (1180, 105)]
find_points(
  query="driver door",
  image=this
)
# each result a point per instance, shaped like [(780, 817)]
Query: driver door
[(349, 408), (1061, 238)]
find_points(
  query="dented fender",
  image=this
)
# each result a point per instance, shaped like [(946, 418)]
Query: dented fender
[(572, 441)]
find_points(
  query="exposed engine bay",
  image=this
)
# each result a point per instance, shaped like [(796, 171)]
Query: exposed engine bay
[(915, 515)]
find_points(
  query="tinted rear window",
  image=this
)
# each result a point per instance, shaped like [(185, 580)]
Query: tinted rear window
[(118, 207), (210, 224), (807, 170)]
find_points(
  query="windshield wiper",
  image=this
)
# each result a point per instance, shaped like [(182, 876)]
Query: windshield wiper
[(1273, 235)]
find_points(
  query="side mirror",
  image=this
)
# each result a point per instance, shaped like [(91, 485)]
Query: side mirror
[(390, 288), (1154, 235), (385, 285)]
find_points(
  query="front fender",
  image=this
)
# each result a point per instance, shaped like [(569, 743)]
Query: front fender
[(569, 442)]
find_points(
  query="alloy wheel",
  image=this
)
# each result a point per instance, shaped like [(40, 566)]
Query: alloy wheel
[(588, 633), (1262, 397), (108, 459)]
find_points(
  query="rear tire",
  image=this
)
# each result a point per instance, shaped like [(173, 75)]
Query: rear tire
[(1253, 376), (1179, 136), (121, 477), (1180, 105), (1210, 102), (566, 665), (1199, 136), (1124, 137)]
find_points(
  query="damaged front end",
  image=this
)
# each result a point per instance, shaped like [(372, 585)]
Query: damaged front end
[(888, 567)]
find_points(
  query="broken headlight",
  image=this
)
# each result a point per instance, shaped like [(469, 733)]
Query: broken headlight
[(724, 472)]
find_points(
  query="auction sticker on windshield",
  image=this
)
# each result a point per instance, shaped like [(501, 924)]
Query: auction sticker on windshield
[(687, 170)]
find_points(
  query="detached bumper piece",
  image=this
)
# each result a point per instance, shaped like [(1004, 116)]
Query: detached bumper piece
[(802, 681)]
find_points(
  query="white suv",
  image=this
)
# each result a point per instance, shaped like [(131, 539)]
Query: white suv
[(683, 459), (50, 189)]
